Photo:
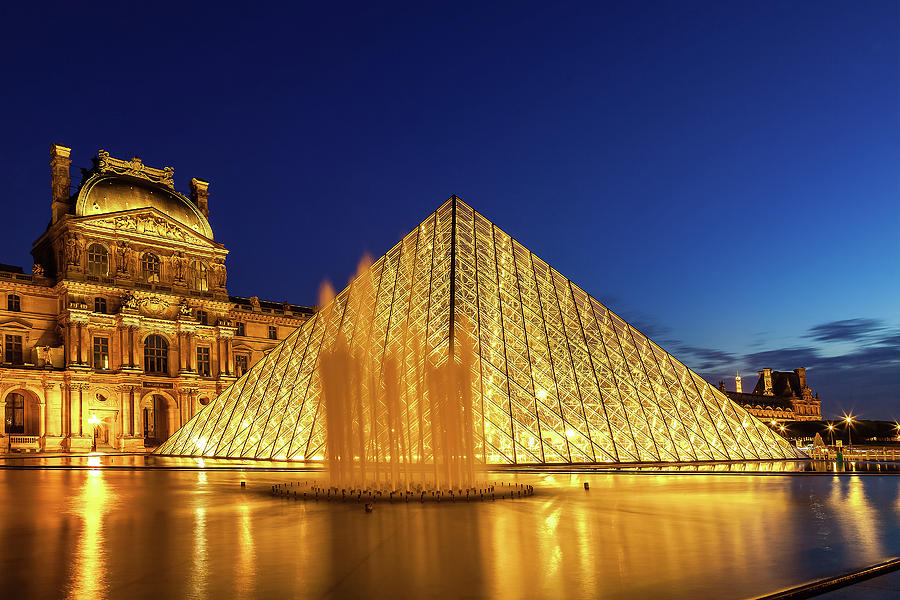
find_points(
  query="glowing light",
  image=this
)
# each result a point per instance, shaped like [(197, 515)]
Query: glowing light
[(94, 420), (570, 433)]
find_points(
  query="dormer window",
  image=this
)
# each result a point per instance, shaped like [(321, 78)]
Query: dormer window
[(97, 260), (150, 267)]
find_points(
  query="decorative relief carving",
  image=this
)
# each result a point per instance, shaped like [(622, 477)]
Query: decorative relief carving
[(37, 270), (153, 305), (147, 224), (135, 168), (130, 302), (219, 273)]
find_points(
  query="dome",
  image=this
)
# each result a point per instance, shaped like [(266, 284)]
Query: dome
[(109, 193)]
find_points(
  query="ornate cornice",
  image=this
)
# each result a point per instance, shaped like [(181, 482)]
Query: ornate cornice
[(135, 168)]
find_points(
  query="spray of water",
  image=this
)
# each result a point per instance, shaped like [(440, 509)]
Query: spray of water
[(398, 418)]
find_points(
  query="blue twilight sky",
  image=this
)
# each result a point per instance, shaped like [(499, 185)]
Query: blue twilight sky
[(722, 174)]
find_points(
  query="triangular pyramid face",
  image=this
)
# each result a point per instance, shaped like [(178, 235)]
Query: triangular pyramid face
[(557, 377)]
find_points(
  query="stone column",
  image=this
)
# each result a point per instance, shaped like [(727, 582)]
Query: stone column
[(81, 410), (229, 357), (53, 399), (74, 409), (189, 354), (71, 344), (87, 345), (42, 418), (135, 425), (179, 341), (134, 347), (78, 340)]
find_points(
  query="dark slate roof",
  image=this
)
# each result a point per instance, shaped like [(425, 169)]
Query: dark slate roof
[(10, 268), (784, 383), (775, 402)]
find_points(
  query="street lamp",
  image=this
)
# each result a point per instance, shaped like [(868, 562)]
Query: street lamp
[(848, 419), (94, 421), (831, 433)]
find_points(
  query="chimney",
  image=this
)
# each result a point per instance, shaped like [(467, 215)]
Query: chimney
[(737, 383), (60, 180), (766, 375), (801, 374), (200, 195)]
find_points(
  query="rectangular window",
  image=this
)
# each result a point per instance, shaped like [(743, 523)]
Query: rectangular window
[(203, 368), (101, 353), (273, 332), (203, 317), (240, 329), (100, 305), (14, 303), (240, 364), (13, 350)]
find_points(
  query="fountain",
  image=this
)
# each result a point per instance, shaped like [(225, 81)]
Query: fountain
[(398, 424)]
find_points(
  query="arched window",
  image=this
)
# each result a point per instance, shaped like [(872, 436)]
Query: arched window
[(156, 354), (199, 276), (97, 260), (14, 303), (150, 267), (15, 413)]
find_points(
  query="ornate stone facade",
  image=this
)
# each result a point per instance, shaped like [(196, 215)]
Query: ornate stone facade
[(124, 328), (779, 396)]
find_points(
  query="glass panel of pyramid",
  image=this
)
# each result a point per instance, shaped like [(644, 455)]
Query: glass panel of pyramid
[(557, 377)]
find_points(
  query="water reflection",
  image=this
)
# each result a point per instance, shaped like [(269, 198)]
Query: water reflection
[(106, 533), (199, 570), (89, 577)]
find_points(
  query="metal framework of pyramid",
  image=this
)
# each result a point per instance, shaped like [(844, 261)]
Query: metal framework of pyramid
[(557, 376)]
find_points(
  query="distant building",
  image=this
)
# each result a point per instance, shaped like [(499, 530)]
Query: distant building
[(778, 396), (124, 328)]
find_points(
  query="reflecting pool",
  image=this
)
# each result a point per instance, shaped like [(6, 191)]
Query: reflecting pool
[(125, 533)]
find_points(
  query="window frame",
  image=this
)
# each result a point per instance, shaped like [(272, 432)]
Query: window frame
[(202, 316), (156, 356), (14, 303), (273, 332), (102, 265), (204, 361), (150, 268), (199, 276), (13, 349), (100, 347), (240, 369), (240, 329), (100, 303)]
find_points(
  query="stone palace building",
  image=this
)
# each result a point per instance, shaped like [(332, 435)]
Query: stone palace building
[(124, 328), (778, 396)]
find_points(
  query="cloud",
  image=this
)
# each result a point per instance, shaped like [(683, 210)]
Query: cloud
[(706, 358), (847, 330)]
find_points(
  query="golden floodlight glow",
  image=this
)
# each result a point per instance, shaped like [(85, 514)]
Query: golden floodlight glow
[(556, 376)]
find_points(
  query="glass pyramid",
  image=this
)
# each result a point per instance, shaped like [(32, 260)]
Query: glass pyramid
[(556, 377)]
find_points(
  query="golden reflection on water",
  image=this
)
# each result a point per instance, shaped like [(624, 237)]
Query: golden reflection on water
[(89, 576), (199, 567), (848, 500), (246, 565)]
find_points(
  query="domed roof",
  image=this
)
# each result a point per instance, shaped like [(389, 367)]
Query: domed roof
[(109, 193)]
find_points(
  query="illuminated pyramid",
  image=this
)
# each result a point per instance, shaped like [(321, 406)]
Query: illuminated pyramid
[(556, 378)]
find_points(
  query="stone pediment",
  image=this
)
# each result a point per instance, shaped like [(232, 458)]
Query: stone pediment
[(148, 221), (21, 324)]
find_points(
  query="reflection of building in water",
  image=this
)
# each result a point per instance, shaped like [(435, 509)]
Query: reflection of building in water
[(778, 396), (125, 317)]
